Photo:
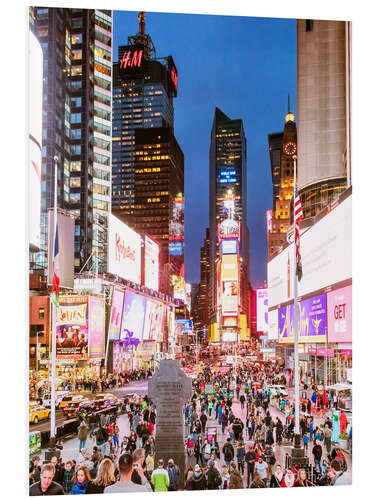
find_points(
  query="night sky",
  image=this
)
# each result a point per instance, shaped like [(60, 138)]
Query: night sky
[(245, 66)]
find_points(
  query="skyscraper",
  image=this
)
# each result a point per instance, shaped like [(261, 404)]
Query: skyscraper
[(228, 179), (283, 146), (324, 102), (77, 55), (148, 164)]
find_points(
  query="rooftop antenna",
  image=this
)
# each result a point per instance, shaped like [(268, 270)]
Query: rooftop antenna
[(142, 24), (288, 102)]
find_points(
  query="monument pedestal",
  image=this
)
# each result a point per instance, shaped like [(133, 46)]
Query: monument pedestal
[(169, 389), (297, 457)]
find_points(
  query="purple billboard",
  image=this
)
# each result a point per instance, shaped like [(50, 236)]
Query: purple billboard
[(312, 325)]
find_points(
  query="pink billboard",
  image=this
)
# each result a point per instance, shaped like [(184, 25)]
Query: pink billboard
[(96, 328), (116, 314), (339, 312)]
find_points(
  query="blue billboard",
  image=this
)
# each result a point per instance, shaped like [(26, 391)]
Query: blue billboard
[(228, 176), (176, 248)]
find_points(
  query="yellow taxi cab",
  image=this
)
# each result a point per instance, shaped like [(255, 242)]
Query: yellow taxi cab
[(70, 399), (37, 413)]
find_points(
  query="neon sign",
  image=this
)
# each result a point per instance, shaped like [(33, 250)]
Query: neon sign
[(131, 59), (227, 176), (174, 77)]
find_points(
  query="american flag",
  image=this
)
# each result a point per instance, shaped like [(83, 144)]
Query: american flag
[(55, 270), (298, 215)]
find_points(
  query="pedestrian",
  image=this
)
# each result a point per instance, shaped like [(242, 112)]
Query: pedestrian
[(225, 478), (235, 479), (327, 438), (174, 475), (67, 477), (105, 477), (203, 420), (57, 478), (301, 479), (83, 432), (198, 480), (206, 451), (317, 451), (125, 484), (138, 465), (213, 476), (189, 476), (261, 467), (305, 442), (242, 401), (288, 480), (46, 485), (241, 452), (160, 477), (80, 480), (198, 450), (257, 481), (34, 463), (228, 452), (277, 477)]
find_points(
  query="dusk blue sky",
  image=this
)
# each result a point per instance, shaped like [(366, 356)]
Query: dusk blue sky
[(245, 66)]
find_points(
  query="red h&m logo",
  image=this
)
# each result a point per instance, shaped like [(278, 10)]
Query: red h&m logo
[(131, 59), (174, 77)]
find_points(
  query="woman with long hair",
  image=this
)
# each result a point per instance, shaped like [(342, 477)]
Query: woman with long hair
[(257, 481), (80, 480), (235, 479), (104, 477), (302, 479), (276, 477), (198, 450)]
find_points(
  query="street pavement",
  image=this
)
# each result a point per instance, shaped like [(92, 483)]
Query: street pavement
[(71, 446)]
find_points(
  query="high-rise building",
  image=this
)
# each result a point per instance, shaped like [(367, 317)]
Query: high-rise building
[(324, 111), (282, 146), (77, 76), (201, 304), (228, 183), (148, 164)]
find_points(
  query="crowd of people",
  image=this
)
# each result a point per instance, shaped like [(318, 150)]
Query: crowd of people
[(224, 450)]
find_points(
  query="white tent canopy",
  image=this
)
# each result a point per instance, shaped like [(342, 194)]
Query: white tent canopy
[(340, 387)]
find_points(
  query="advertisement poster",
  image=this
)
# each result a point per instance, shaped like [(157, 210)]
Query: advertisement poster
[(339, 305), (176, 224), (312, 325), (72, 328), (230, 298), (262, 310), (186, 324), (124, 250), (96, 328), (133, 315), (116, 314), (151, 264), (154, 321)]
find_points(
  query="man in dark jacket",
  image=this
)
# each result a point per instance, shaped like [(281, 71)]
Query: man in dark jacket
[(250, 458), (213, 477), (46, 485), (317, 451), (173, 474), (198, 480), (203, 420), (34, 463), (228, 452), (57, 478)]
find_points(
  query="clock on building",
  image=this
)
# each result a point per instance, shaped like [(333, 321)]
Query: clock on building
[(290, 148)]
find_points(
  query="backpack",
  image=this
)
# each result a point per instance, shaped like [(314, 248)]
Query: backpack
[(228, 455)]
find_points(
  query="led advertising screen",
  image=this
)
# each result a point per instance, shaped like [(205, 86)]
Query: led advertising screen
[(228, 176), (124, 250), (176, 224), (176, 248), (116, 314), (273, 324), (339, 306), (186, 324), (229, 267), (72, 328), (151, 264), (324, 262), (96, 328), (229, 247), (179, 291), (133, 315), (35, 139), (229, 336), (312, 325), (262, 310), (154, 321), (229, 298)]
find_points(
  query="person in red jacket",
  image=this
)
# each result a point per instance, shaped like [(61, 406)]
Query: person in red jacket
[(288, 480), (343, 422), (150, 427)]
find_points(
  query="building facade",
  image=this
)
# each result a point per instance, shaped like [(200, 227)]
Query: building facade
[(324, 102), (77, 80)]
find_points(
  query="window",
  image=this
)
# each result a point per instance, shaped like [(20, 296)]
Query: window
[(76, 70), (41, 313), (76, 133), (77, 38), (76, 118), (309, 24), (75, 198), (75, 149), (76, 54), (75, 182), (75, 166), (76, 102)]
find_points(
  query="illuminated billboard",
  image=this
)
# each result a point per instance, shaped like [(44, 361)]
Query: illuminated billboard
[(72, 328), (176, 224), (154, 321), (96, 327), (269, 221), (124, 250), (262, 309), (339, 311), (116, 314), (179, 291), (229, 247), (151, 264), (229, 298), (312, 323), (176, 248), (229, 267), (186, 324), (227, 176), (229, 336), (35, 139), (133, 315)]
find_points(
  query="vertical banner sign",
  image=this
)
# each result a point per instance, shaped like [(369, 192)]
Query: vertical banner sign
[(262, 310), (151, 264), (96, 328), (72, 328), (339, 304), (116, 314)]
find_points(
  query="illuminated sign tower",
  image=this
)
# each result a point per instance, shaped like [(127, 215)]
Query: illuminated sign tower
[(229, 234)]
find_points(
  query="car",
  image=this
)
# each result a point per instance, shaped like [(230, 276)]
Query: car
[(106, 400), (46, 401), (70, 399), (37, 413), (74, 408)]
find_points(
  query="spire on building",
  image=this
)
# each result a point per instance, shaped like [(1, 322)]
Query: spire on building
[(142, 39)]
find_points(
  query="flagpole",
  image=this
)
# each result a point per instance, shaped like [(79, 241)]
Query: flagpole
[(53, 351), (296, 354)]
